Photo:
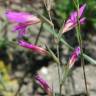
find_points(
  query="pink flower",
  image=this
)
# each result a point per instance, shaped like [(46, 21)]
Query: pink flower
[(73, 19), (74, 57), (34, 48), (40, 81), (22, 19)]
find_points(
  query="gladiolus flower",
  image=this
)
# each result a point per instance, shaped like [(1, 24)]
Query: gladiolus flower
[(73, 19), (74, 57), (34, 48), (40, 81), (22, 19)]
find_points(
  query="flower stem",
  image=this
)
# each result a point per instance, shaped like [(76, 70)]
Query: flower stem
[(39, 33), (80, 40)]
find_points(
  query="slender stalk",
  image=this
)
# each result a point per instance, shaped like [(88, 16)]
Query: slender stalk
[(21, 83), (80, 40), (39, 33), (58, 65)]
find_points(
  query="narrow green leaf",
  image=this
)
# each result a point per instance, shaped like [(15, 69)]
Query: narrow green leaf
[(89, 59), (86, 57)]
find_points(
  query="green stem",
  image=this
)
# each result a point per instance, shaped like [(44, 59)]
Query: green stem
[(39, 33), (58, 65), (80, 40)]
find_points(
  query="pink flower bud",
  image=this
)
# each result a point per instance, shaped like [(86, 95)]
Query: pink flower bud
[(43, 83), (34, 48), (74, 57)]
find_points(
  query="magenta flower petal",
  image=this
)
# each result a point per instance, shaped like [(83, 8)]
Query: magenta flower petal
[(21, 28), (77, 51), (74, 57), (74, 14), (43, 83), (34, 48), (73, 20), (81, 10), (21, 17), (82, 20)]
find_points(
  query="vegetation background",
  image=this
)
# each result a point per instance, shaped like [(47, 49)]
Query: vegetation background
[(17, 65)]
